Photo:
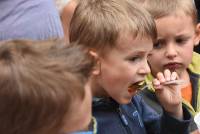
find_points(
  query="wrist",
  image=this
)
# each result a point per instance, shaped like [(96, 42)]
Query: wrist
[(176, 112)]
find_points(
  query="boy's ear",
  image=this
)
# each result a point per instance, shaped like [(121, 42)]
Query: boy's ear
[(197, 37), (97, 67)]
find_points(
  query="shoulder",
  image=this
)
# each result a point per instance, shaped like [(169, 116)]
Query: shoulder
[(22, 15), (195, 64)]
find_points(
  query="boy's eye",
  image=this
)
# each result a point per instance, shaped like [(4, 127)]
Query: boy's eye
[(181, 40), (149, 54), (134, 58), (157, 45)]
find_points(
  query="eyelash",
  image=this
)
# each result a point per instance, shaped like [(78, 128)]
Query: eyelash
[(157, 45), (179, 41), (134, 59)]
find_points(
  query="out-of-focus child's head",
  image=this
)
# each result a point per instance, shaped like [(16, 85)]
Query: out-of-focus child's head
[(38, 93)]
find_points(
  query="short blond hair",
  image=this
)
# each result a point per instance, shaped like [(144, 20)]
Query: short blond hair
[(98, 24), (162, 8)]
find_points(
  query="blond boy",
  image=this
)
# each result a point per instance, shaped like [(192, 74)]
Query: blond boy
[(178, 34), (120, 35)]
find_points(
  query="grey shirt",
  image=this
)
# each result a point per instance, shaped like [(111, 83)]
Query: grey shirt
[(29, 19)]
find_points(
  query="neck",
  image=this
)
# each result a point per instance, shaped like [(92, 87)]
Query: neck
[(97, 90), (185, 76)]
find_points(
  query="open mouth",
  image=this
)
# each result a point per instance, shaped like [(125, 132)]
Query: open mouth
[(136, 86)]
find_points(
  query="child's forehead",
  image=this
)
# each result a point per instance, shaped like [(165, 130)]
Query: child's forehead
[(130, 38), (177, 17), (129, 43), (176, 14)]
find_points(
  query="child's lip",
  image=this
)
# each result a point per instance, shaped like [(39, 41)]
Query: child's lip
[(132, 91), (135, 86), (173, 66)]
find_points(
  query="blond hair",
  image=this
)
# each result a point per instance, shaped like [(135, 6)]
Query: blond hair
[(98, 24), (162, 8)]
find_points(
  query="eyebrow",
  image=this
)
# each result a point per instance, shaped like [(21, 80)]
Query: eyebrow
[(138, 52), (183, 36)]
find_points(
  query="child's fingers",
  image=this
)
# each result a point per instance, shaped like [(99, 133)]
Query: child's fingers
[(167, 75), (156, 84), (161, 77), (174, 76)]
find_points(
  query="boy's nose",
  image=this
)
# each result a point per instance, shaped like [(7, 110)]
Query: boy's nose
[(145, 69), (171, 51)]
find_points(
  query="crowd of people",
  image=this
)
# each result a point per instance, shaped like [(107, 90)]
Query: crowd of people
[(99, 66)]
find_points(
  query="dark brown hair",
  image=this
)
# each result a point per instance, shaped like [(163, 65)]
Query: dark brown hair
[(77, 59)]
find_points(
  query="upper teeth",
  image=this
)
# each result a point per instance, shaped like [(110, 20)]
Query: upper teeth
[(137, 85), (141, 83)]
